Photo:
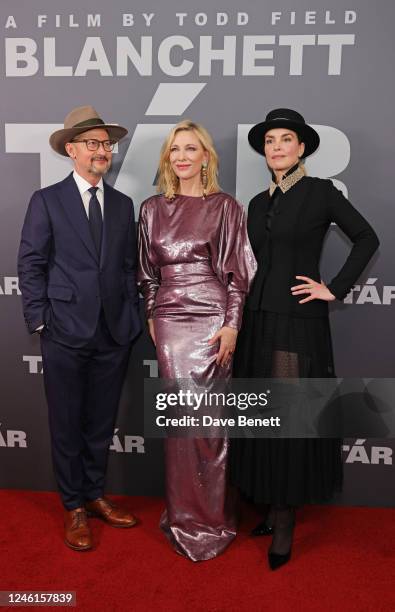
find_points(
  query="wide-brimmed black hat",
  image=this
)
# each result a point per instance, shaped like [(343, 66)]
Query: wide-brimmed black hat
[(284, 118)]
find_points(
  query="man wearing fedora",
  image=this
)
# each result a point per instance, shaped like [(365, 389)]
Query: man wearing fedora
[(77, 272)]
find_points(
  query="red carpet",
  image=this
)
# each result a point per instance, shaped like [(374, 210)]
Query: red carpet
[(343, 558)]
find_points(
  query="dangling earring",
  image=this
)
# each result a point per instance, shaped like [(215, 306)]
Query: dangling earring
[(204, 178)]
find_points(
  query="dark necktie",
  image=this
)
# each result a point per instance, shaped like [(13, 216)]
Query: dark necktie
[(95, 219)]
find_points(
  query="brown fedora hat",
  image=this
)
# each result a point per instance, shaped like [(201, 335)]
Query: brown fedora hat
[(79, 120)]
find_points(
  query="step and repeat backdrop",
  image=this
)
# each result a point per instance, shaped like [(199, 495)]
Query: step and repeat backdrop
[(224, 65)]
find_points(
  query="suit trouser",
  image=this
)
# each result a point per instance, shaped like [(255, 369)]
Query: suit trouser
[(83, 388)]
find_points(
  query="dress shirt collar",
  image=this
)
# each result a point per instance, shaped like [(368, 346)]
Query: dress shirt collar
[(83, 184), (289, 179)]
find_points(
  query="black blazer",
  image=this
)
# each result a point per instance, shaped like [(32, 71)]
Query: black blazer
[(298, 228), (64, 282)]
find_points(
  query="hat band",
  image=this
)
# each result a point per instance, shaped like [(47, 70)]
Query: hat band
[(89, 122), (285, 119)]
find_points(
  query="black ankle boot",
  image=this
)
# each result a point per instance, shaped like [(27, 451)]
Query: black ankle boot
[(276, 560), (280, 550)]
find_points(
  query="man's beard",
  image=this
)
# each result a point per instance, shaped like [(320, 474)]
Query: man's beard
[(99, 171)]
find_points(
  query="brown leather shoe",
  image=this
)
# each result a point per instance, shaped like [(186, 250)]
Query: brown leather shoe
[(77, 534), (112, 514)]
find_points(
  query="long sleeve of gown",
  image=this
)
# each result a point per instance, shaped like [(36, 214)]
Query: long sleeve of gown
[(234, 261), (148, 276)]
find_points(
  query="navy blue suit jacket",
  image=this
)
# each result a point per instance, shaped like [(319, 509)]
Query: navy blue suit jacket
[(64, 283)]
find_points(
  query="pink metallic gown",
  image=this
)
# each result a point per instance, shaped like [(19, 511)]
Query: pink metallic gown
[(196, 267)]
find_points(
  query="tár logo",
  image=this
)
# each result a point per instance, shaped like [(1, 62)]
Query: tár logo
[(11, 438), (9, 285)]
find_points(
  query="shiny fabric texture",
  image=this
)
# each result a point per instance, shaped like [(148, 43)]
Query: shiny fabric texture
[(192, 229), (196, 266)]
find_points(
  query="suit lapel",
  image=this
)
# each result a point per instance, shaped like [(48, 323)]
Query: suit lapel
[(111, 214), (74, 208)]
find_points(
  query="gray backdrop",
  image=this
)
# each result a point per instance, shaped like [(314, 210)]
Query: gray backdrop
[(331, 60)]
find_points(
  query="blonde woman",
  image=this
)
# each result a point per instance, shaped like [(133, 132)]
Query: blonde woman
[(196, 267)]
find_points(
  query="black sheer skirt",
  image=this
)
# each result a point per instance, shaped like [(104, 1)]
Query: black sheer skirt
[(285, 471)]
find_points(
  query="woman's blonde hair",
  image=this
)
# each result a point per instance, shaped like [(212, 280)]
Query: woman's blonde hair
[(168, 181)]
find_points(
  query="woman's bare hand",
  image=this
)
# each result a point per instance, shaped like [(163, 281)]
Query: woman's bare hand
[(227, 338), (315, 291)]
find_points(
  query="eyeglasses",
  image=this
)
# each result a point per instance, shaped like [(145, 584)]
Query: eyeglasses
[(92, 144)]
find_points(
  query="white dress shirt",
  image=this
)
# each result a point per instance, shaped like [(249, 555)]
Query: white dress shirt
[(84, 186)]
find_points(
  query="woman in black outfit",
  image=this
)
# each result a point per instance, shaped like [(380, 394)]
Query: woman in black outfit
[(285, 330)]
